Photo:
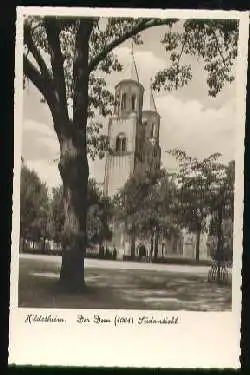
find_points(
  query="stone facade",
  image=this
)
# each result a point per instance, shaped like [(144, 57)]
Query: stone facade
[(133, 134)]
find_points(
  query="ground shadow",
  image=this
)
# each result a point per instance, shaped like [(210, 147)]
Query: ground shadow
[(121, 289)]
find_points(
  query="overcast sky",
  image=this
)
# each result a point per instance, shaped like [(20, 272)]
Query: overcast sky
[(190, 119)]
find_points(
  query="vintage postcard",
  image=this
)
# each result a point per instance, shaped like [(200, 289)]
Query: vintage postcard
[(128, 187)]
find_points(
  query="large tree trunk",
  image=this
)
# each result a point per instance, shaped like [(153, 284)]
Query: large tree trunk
[(73, 163), (152, 245), (219, 249), (44, 244), (219, 236), (197, 247), (74, 172), (156, 244), (133, 242), (23, 244), (162, 250)]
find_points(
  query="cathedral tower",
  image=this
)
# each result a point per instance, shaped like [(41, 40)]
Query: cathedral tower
[(123, 132), (133, 133), (151, 125)]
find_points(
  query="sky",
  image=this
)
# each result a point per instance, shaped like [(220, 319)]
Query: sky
[(190, 119)]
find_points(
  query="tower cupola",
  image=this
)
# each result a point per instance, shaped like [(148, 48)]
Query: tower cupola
[(129, 92)]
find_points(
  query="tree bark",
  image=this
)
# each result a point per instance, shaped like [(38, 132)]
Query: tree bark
[(133, 242), (156, 244), (162, 250), (73, 168), (44, 244), (219, 236), (152, 245), (23, 244), (73, 165), (219, 254), (197, 247)]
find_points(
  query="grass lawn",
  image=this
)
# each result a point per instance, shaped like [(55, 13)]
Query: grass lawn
[(114, 288)]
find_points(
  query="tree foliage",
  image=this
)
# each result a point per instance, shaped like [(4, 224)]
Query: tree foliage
[(98, 217), (99, 210), (212, 41), (34, 205), (51, 47), (57, 213), (145, 203), (205, 190), (222, 210)]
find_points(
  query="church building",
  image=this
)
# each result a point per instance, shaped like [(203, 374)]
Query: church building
[(133, 134)]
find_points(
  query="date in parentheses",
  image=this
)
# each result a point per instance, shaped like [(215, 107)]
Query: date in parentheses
[(123, 320)]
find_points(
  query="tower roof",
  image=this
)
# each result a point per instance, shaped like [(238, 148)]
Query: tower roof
[(134, 72), (131, 71), (149, 101)]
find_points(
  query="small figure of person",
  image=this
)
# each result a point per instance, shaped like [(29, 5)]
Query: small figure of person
[(114, 253), (106, 252), (144, 253)]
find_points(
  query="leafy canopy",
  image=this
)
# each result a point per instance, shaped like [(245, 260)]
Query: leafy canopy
[(34, 204), (54, 46), (146, 202), (204, 186), (99, 210)]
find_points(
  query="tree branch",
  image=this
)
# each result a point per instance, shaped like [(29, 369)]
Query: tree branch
[(57, 60), (35, 76), (218, 45), (81, 73), (28, 40), (182, 49), (179, 59), (141, 26), (38, 80)]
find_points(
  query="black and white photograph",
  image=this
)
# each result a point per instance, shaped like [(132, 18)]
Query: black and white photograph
[(128, 178)]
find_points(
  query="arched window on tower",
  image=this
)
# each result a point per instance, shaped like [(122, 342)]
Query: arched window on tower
[(124, 100), (121, 143), (117, 144), (133, 102)]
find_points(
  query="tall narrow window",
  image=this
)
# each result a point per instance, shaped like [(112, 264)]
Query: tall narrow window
[(121, 143), (118, 144), (124, 99), (133, 100), (153, 131)]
